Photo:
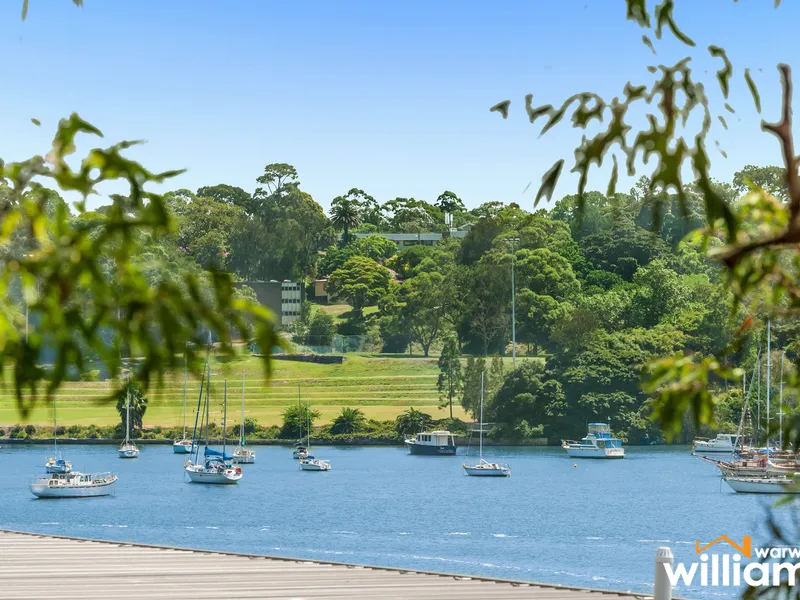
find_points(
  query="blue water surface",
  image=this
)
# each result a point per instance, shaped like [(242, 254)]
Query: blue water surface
[(596, 524)]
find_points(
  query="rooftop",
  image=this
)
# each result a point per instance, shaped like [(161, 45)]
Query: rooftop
[(37, 566)]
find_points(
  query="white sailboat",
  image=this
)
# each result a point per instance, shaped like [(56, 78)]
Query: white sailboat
[(485, 468), (213, 468), (300, 452), (243, 455), (310, 463), (183, 445), (56, 463), (128, 449)]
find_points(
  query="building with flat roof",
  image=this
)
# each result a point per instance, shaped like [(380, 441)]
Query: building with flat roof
[(284, 298), (404, 240)]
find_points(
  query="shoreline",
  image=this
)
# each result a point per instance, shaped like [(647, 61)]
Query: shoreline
[(461, 442)]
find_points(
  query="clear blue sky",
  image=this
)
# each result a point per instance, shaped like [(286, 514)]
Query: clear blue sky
[(388, 96)]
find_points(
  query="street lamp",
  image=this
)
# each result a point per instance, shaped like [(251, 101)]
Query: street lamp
[(513, 309)]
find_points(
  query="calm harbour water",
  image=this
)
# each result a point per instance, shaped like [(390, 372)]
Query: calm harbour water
[(597, 525)]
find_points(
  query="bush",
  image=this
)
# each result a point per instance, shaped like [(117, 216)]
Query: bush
[(30, 430), (93, 375), (74, 430), (250, 425)]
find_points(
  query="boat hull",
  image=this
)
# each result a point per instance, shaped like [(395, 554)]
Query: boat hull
[(765, 486), (243, 459), (213, 478), (315, 466), (181, 448), (128, 453), (90, 491), (591, 452), (58, 469), (487, 471), (429, 450)]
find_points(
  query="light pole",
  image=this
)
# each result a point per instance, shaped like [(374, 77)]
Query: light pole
[(513, 309)]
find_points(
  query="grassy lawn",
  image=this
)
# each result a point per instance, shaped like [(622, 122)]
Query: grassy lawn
[(341, 312), (381, 386)]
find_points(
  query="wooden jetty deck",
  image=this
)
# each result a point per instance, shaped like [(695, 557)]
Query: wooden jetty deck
[(45, 566)]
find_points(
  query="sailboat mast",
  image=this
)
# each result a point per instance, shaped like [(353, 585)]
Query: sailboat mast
[(769, 380), (185, 375), (308, 426), (224, 416), (128, 413), (780, 403), (55, 425), (241, 426), (481, 429), (300, 414), (208, 397), (758, 400)]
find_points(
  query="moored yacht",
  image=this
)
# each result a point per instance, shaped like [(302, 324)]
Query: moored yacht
[(183, 445), (128, 449), (598, 443), (762, 485), (243, 455), (432, 443), (73, 485), (214, 469), (724, 443), (484, 468)]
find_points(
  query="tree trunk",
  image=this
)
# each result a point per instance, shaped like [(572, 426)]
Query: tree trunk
[(451, 406), (425, 348)]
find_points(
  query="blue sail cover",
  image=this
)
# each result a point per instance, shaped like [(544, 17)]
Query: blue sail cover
[(212, 452)]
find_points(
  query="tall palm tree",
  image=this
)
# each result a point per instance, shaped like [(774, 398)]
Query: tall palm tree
[(345, 215), (350, 420)]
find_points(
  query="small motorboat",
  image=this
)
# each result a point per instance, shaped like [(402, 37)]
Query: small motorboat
[(73, 485), (312, 464), (724, 443), (598, 443), (57, 465)]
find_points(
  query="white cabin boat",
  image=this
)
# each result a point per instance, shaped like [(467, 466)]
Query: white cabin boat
[(724, 443), (73, 485), (598, 443), (57, 465), (432, 443), (312, 464), (128, 450), (762, 485)]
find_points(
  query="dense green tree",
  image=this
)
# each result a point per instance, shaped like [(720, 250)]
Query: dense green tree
[(296, 421), (479, 240), (360, 281), (771, 179), (623, 248), (450, 380), (138, 404), (412, 421), (426, 297), (345, 216), (471, 397), (448, 202), (409, 215), (348, 421), (321, 329), (376, 247), (528, 394), (227, 194)]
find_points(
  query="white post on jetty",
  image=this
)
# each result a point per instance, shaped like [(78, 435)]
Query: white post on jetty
[(662, 589)]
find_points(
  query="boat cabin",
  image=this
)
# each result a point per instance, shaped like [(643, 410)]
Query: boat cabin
[(435, 438)]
